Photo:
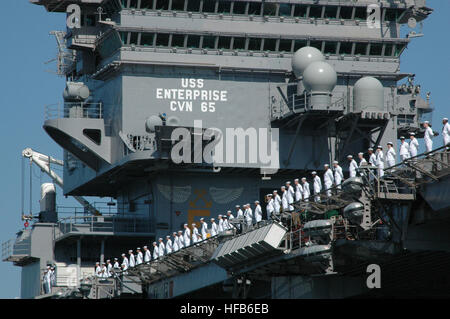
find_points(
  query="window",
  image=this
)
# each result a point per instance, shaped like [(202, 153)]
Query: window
[(388, 50), (330, 12), (123, 37), (376, 49), (178, 5), (298, 44), (399, 49), (346, 13), (224, 43), (316, 44), (270, 44), (178, 40), (360, 13), (254, 44), (133, 4), (330, 47), (239, 7), (239, 43), (134, 38), (147, 39), (162, 39), (162, 5), (361, 48), (285, 45), (224, 7), (146, 4), (390, 15), (270, 9), (124, 3), (300, 11), (315, 12), (285, 10), (254, 8), (193, 6), (346, 48), (209, 42), (193, 41), (209, 6)]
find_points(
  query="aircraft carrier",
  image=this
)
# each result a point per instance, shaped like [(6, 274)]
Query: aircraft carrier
[(257, 93)]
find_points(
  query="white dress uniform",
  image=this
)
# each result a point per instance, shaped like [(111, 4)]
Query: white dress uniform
[(226, 225), (205, 230), (373, 159), (428, 139), (446, 133), (404, 151), (328, 180), (338, 176), (248, 215), (277, 203), (306, 191), (132, 260), (290, 197), (240, 213), (139, 258), (98, 272), (258, 213), (284, 201), (125, 263), (195, 235), (147, 256), (175, 244), (380, 163), (104, 272), (116, 265), (270, 208), (413, 147), (317, 185), (109, 270), (220, 226), (213, 229), (353, 168), (390, 157), (363, 162), (187, 237), (169, 246), (161, 249), (155, 252), (298, 192), (180, 241)]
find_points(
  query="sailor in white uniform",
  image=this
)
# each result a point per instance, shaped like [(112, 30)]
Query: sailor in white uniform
[(372, 161), (284, 201), (306, 190), (104, 274), (132, 259), (98, 271), (226, 224), (169, 245), (328, 179), (445, 131), (220, 224), (338, 175), (195, 234), (413, 145), (109, 268), (380, 161), (214, 229), (298, 190), (258, 212), (147, 255), (139, 256), (276, 202), (317, 186), (353, 167), (239, 212), (175, 242), (155, 251), (204, 229), (187, 235), (428, 136), (125, 263), (116, 267), (362, 160), (180, 240), (404, 149), (47, 281), (270, 206), (290, 195), (390, 155), (248, 215), (161, 248)]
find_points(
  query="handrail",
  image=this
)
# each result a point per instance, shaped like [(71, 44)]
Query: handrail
[(89, 110)]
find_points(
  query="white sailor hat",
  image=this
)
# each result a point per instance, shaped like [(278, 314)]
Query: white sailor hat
[(390, 143), (228, 211), (130, 251), (103, 263), (360, 153), (288, 182), (185, 224), (116, 259), (193, 224), (97, 263), (402, 137), (256, 201), (168, 236), (283, 187), (370, 149), (123, 254), (412, 134), (154, 243), (212, 219), (220, 215), (445, 119), (139, 248), (160, 238), (327, 165), (349, 156), (275, 191), (237, 206), (269, 195), (296, 180), (225, 217), (145, 247), (303, 178), (108, 260), (335, 162), (380, 147), (202, 219), (180, 232), (248, 204), (314, 173), (426, 122), (174, 233)]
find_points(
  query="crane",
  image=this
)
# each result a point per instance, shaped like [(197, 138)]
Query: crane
[(43, 162)]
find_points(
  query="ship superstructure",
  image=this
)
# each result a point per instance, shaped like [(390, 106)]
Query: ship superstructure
[(152, 85)]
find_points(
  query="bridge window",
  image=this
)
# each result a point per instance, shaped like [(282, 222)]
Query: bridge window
[(177, 40), (316, 44), (315, 12), (134, 38), (239, 43), (224, 7), (298, 44), (300, 11), (388, 49), (178, 5), (346, 13), (239, 7), (376, 49), (270, 9), (123, 37), (193, 6), (162, 5), (254, 8), (133, 4), (146, 4), (361, 13), (399, 49), (391, 15), (285, 45), (224, 43), (270, 44), (330, 47), (346, 48), (254, 44), (361, 48), (209, 6), (209, 42), (162, 39), (147, 39), (193, 41), (285, 10), (330, 12)]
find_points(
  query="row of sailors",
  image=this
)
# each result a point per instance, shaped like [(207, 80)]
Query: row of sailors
[(49, 279)]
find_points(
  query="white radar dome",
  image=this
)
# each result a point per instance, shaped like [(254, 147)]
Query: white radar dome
[(303, 58), (319, 77), (368, 92)]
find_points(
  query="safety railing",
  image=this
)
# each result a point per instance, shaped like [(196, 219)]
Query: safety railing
[(86, 110), (104, 208), (14, 248)]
